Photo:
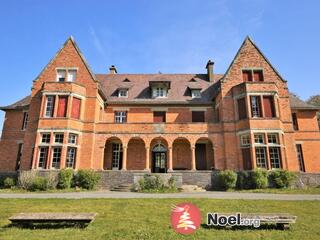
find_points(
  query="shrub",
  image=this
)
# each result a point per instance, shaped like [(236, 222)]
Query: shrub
[(172, 183), (282, 178), (87, 179), (227, 179), (52, 181), (244, 180), (9, 182), (259, 179), (65, 178), (26, 179), (151, 182), (39, 184)]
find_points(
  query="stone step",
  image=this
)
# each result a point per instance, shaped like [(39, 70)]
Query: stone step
[(191, 188)]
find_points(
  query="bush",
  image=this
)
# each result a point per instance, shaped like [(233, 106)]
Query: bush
[(26, 179), (9, 182), (259, 179), (244, 180), (39, 184), (65, 178), (282, 178), (172, 183), (87, 179), (227, 179), (52, 181), (151, 182)]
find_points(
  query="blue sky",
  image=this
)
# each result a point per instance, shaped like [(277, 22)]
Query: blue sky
[(148, 36)]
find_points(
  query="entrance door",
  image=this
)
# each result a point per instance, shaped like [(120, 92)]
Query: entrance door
[(159, 162)]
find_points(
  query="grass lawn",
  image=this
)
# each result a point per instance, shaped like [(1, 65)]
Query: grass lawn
[(150, 218), (311, 190)]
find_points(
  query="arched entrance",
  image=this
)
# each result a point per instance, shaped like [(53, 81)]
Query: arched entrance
[(159, 158), (113, 154), (204, 154)]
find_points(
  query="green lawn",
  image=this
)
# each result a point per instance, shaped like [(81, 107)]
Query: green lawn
[(149, 218), (311, 190)]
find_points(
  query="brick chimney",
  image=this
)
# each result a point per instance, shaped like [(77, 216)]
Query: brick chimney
[(112, 69), (210, 73)]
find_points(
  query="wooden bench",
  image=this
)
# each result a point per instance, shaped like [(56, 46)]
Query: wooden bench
[(282, 220), (81, 219)]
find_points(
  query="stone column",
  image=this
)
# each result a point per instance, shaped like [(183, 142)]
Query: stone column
[(124, 158), (170, 165), (147, 159), (193, 158)]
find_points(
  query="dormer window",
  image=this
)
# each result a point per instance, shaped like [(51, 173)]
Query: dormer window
[(64, 75), (123, 93), (159, 92), (196, 93), (61, 75)]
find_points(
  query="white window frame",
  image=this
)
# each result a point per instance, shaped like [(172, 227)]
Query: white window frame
[(120, 116), (275, 157), (255, 106), (73, 138), (245, 140), (70, 77), (159, 92), (123, 93), (50, 105), (59, 75), (261, 163), (58, 138), (256, 135), (42, 138), (56, 159), (272, 137), (116, 155), (196, 93), (43, 157), (71, 157)]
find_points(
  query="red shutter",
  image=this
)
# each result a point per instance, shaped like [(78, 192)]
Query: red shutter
[(62, 107), (247, 76), (268, 107), (242, 108), (159, 117), (76, 105), (258, 76)]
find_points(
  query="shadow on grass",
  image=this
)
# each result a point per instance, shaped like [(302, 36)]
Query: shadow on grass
[(46, 225), (241, 228)]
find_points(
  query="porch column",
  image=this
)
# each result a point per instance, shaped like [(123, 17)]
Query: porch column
[(193, 158), (147, 159), (170, 168), (124, 158)]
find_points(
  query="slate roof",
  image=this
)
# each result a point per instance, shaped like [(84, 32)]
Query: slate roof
[(140, 92), (21, 104), (297, 103)]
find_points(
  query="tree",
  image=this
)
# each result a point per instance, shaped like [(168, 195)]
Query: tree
[(315, 100)]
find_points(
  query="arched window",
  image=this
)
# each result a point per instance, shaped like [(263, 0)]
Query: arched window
[(159, 148)]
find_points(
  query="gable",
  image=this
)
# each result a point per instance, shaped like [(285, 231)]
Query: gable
[(69, 56)]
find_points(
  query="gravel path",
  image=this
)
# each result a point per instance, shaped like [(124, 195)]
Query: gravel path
[(211, 195)]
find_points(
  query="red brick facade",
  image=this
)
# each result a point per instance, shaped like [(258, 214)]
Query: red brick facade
[(84, 124)]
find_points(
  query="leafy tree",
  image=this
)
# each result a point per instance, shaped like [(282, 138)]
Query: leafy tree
[(315, 100)]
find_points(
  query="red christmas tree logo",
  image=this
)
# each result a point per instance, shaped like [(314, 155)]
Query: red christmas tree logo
[(185, 218)]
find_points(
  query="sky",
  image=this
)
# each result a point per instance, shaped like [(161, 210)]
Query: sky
[(151, 36)]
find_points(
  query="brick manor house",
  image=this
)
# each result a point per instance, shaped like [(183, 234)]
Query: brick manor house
[(245, 118)]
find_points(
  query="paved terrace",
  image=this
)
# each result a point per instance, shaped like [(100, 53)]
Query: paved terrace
[(211, 195)]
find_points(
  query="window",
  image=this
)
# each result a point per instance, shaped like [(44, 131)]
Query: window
[(45, 138), (116, 155), (295, 121), (49, 106), (159, 92), (71, 157), (58, 138), (56, 157), (20, 149), (242, 110), (43, 157), (261, 157), (76, 108), (245, 140), (252, 75), (62, 106), (120, 117), (196, 93), (159, 117), (198, 116), (257, 76), (300, 157), (259, 138), (72, 75), (246, 157), (268, 104), (247, 75), (61, 75), (273, 138), (275, 157), (123, 93), (73, 139), (256, 106), (25, 120)]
